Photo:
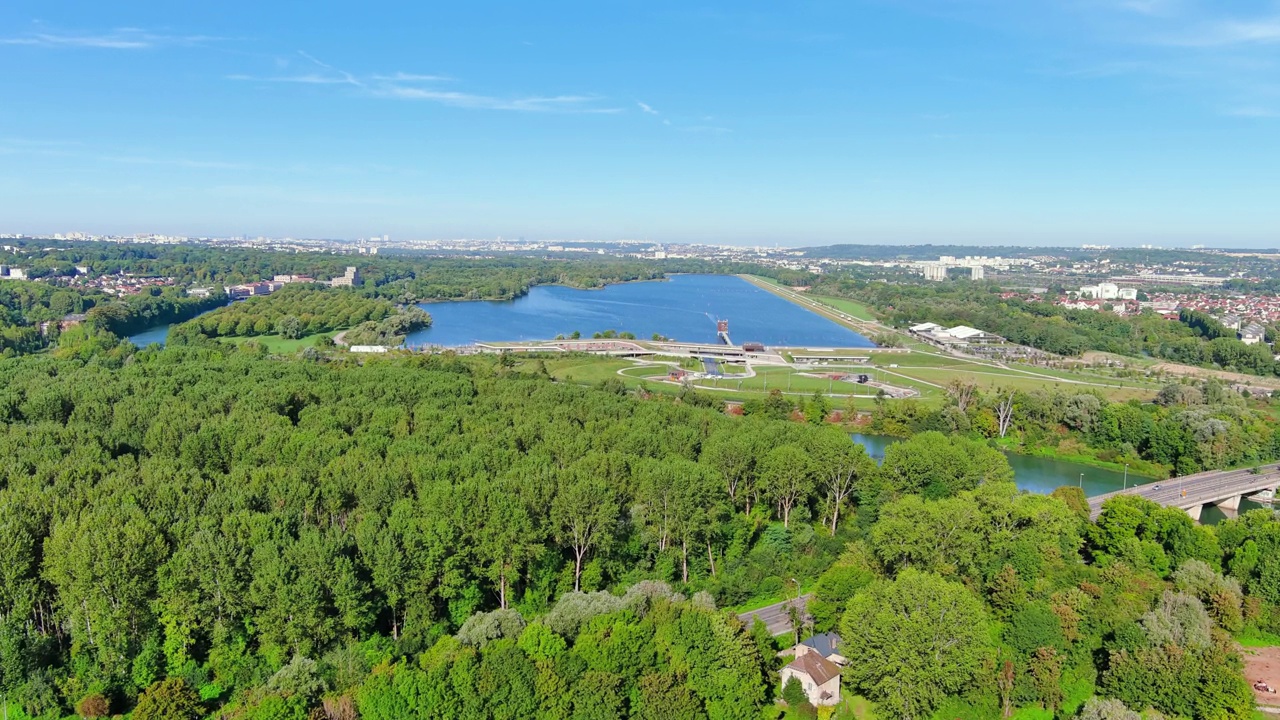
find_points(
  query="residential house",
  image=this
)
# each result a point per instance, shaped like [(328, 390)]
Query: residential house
[(819, 677), (826, 645)]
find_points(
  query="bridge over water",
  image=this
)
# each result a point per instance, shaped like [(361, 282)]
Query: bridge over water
[(1224, 488)]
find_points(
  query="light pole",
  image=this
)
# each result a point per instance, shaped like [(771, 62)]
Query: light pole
[(1126, 476), (1081, 483)]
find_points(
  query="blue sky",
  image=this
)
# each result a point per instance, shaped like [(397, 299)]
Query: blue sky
[(865, 121)]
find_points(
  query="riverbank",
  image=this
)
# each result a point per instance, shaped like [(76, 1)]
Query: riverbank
[(1080, 454)]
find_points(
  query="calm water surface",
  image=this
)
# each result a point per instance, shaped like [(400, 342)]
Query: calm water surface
[(158, 334), (684, 308)]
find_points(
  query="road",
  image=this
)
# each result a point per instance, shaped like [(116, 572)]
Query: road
[(775, 616), (1199, 489)]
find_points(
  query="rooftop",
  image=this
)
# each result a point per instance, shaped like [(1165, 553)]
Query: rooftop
[(816, 667)]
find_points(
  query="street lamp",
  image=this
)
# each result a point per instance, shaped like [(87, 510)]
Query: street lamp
[(1126, 476), (1081, 483)]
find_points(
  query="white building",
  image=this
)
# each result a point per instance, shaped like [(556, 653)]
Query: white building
[(937, 273), (1252, 334), (1103, 291), (976, 272), (350, 279)]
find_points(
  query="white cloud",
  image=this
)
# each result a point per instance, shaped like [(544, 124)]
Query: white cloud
[(412, 77), (1227, 33), (648, 110), (308, 79), (558, 103), (121, 39), (410, 86), (1253, 112)]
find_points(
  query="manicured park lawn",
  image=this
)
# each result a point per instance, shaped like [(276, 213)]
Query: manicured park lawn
[(276, 344)]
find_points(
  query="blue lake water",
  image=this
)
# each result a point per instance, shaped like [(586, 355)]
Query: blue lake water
[(152, 335), (684, 308), (158, 334)]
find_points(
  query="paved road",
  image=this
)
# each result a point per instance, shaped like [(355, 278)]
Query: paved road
[(1199, 489), (775, 617)]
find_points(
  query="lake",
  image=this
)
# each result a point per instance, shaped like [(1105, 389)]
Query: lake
[(1043, 475), (158, 334), (684, 308)]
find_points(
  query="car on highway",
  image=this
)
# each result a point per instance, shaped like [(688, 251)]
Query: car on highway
[(1156, 486)]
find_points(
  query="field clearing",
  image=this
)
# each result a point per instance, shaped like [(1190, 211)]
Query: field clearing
[(785, 379), (992, 378), (586, 370), (276, 344)]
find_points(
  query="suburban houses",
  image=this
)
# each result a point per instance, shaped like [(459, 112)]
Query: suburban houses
[(817, 668)]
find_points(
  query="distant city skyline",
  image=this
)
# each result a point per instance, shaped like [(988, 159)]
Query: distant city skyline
[(753, 123)]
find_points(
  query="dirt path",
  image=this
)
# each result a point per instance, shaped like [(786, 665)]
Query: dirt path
[(1175, 369), (1263, 665)]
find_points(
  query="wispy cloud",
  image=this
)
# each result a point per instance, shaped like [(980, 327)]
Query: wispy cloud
[(173, 162), (644, 107), (1227, 33), (80, 152), (419, 87), (1252, 112), (308, 79), (708, 129), (412, 78), (119, 39), (558, 103)]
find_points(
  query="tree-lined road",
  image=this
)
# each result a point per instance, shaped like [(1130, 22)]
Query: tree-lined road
[(1193, 491), (775, 616)]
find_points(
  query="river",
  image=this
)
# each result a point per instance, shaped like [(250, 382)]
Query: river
[(1042, 475), (685, 308)]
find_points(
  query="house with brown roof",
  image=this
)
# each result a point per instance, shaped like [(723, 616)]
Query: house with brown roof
[(819, 677)]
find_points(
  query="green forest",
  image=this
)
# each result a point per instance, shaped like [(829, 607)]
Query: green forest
[(297, 311), (1189, 428), (204, 531), (27, 306)]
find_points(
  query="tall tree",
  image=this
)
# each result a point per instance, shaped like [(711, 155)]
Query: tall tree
[(914, 640), (787, 475), (840, 464), (584, 513)]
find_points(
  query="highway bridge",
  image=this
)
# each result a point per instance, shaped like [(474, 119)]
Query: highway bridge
[(1223, 488)]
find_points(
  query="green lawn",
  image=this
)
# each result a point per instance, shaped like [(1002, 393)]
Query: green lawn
[(276, 344), (785, 379), (587, 370), (995, 377)]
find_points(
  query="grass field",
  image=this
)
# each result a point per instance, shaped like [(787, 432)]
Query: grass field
[(996, 377), (857, 310), (276, 344)]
